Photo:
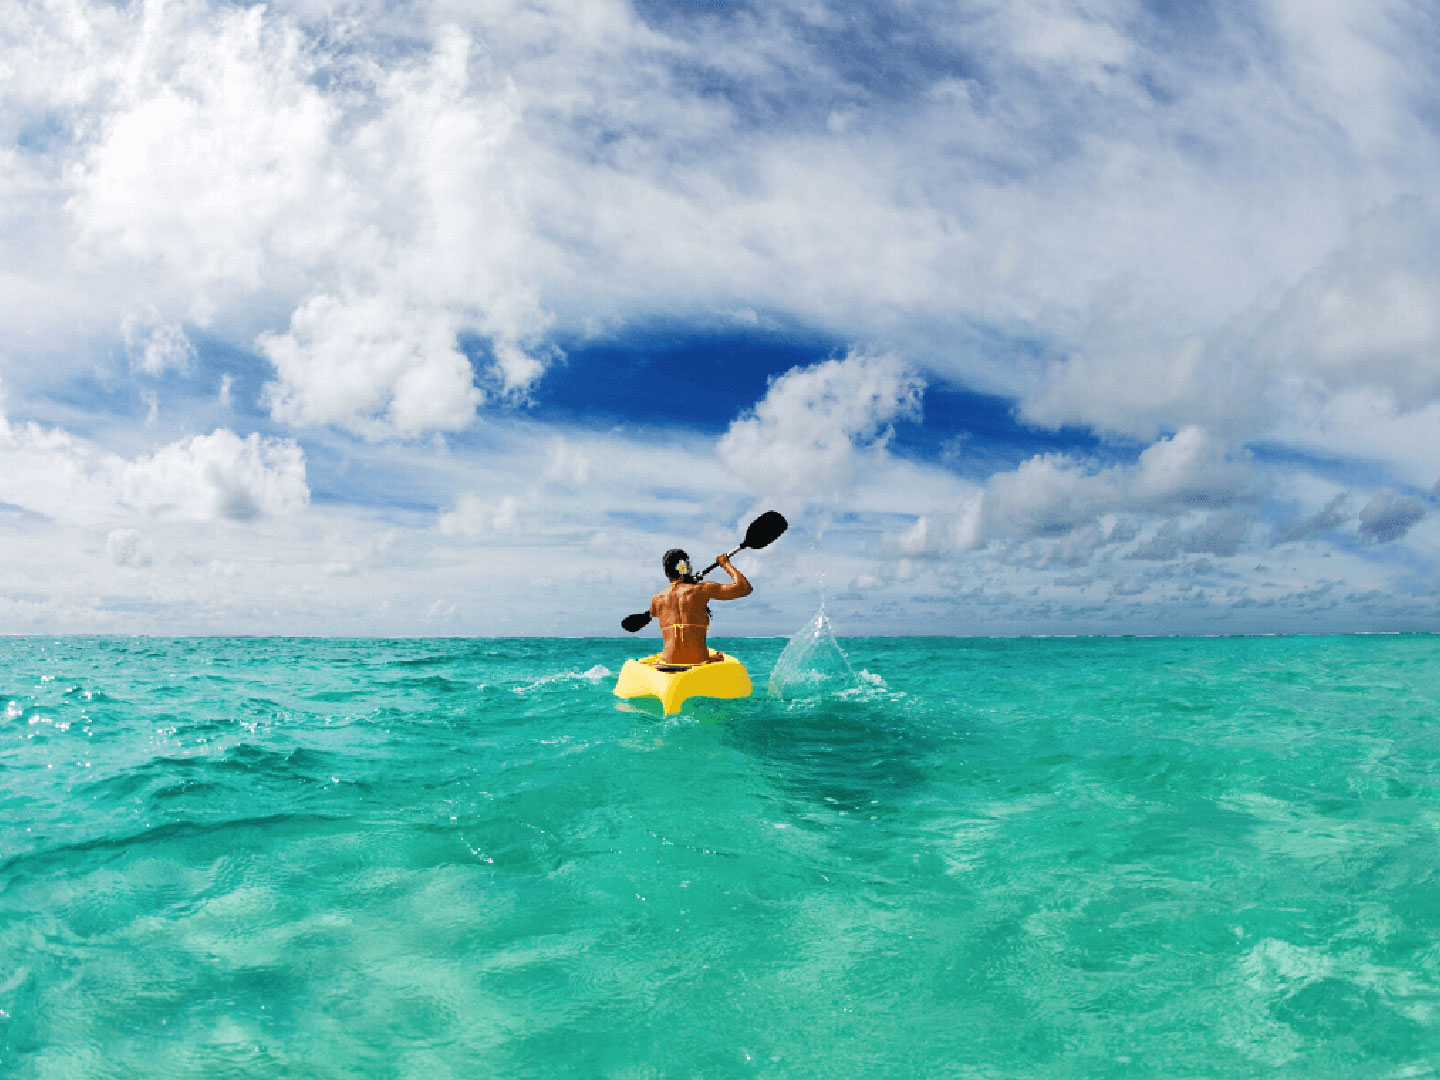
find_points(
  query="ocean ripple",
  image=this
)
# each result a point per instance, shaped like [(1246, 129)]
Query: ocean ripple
[(1062, 858)]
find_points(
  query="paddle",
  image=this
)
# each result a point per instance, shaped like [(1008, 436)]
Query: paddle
[(763, 531)]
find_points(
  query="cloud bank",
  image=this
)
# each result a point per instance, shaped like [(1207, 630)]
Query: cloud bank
[(340, 249)]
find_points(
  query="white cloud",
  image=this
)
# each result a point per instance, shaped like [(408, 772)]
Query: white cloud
[(1215, 534), (1047, 495), (1051, 494), (371, 365), (941, 532), (1363, 424), (126, 547), (211, 155), (569, 464), (1049, 35), (1363, 324), (216, 476), (1192, 467), (219, 476), (804, 437), (229, 165), (475, 516), (1369, 316), (331, 568), (157, 346)]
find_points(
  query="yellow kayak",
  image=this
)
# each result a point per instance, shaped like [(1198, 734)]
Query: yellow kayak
[(725, 678)]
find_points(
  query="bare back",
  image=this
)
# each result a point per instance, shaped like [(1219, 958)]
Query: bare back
[(684, 620)]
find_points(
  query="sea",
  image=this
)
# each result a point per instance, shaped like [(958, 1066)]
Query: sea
[(901, 857)]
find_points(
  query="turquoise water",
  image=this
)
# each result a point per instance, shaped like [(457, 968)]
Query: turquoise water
[(1045, 858)]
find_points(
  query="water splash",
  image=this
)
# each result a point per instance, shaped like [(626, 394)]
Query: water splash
[(812, 663)]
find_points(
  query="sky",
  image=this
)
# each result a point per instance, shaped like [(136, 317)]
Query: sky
[(449, 317)]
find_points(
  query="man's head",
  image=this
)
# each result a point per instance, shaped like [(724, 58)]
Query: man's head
[(677, 565)]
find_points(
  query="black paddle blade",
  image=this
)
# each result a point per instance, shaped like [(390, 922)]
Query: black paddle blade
[(765, 529), (638, 621)]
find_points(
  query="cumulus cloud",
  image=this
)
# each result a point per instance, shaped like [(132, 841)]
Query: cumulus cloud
[(1075, 509), (1370, 315), (1388, 516), (157, 346), (1190, 468), (371, 365), (231, 164), (220, 476), (1077, 547), (216, 476), (804, 437), (941, 532), (1217, 534), (210, 155), (475, 516), (1051, 494)]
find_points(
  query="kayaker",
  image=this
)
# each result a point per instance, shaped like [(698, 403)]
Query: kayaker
[(682, 609)]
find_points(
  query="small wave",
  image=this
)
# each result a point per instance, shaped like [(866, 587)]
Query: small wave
[(591, 675), (430, 684), (339, 697), (66, 854), (422, 661)]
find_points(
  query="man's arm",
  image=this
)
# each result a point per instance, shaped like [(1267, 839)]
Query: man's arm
[(737, 587)]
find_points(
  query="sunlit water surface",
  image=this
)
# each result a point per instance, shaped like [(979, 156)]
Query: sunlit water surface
[(1007, 859)]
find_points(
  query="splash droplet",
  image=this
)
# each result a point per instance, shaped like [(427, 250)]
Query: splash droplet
[(813, 662)]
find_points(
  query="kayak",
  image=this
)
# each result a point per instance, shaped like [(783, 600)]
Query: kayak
[(725, 678)]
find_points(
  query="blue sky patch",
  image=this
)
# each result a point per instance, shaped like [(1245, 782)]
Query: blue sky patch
[(696, 381)]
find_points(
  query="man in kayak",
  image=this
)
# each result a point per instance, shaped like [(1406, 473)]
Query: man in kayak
[(683, 611)]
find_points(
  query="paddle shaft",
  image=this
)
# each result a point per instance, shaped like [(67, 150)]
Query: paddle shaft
[(713, 565)]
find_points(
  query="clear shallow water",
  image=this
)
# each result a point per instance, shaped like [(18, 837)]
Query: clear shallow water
[(1053, 858)]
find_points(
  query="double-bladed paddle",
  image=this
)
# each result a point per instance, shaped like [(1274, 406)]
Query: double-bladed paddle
[(763, 531)]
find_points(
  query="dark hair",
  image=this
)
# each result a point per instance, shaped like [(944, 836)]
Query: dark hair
[(672, 559)]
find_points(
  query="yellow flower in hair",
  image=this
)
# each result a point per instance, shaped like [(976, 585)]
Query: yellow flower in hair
[(682, 566)]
